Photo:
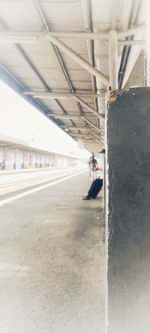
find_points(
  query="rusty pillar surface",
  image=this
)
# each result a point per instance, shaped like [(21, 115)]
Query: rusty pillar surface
[(128, 129)]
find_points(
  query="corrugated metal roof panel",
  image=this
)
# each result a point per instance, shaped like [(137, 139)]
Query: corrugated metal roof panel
[(43, 67)]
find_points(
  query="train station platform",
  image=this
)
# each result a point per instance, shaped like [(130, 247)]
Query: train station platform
[(52, 261)]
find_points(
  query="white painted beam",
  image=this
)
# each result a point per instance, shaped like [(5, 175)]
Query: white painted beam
[(131, 42), (84, 64), (34, 37), (79, 35), (91, 124), (62, 95), (8, 37), (89, 108), (71, 127), (131, 32), (96, 135), (76, 127), (67, 116)]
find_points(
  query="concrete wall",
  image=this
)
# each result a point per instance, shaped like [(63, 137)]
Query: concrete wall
[(129, 211)]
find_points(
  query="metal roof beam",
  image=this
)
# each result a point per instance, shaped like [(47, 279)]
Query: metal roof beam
[(11, 37), (73, 55), (91, 124), (79, 35), (57, 51), (31, 64), (91, 141), (96, 135), (67, 116), (71, 127), (46, 26), (35, 37), (40, 11), (132, 31), (16, 85), (63, 95), (89, 108), (81, 134), (87, 17), (25, 56), (131, 42)]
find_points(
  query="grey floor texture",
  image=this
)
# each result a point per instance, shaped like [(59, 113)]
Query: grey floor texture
[(52, 262)]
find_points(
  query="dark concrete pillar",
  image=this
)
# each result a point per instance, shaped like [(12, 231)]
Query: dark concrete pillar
[(129, 211)]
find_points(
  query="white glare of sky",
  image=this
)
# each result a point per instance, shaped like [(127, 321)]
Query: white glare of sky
[(20, 120)]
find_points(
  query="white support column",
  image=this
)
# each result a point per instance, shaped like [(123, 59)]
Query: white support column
[(113, 59), (147, 41)]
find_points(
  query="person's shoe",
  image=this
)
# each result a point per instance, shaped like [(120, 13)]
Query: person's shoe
[(86, 197)]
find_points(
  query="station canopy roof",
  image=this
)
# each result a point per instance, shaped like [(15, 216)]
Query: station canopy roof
[(14, 143), (64, 55)]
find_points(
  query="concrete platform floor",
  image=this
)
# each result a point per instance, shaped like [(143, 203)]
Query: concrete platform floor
[(52, 262)]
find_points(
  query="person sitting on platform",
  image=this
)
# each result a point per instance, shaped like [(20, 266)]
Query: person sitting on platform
[(97, 183)]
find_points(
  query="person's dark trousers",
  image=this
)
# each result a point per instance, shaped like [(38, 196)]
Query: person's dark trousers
[(95, 188)]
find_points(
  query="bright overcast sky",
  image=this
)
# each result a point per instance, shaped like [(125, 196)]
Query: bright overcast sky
[(19, 119)]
